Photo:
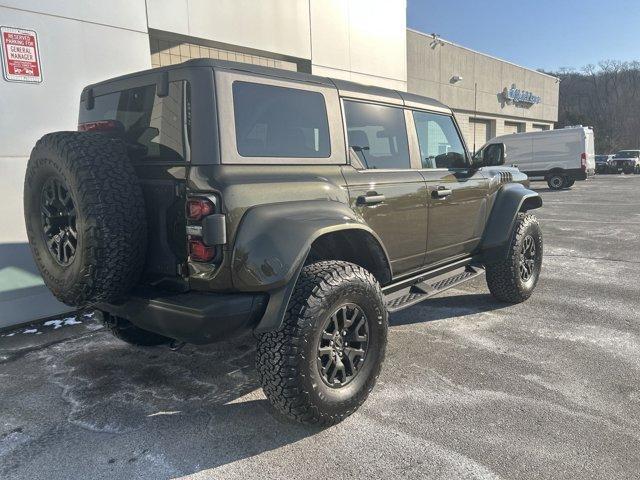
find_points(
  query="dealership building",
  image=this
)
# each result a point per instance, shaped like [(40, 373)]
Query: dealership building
[(51, 50)]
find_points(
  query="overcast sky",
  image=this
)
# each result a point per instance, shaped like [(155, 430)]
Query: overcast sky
[(546, 34)]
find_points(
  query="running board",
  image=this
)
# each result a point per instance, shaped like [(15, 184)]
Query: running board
[(401, 299)]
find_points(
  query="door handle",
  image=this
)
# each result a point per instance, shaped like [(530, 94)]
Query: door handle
[(370, 199), (441, 192)]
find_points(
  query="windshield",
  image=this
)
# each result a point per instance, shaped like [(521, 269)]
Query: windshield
[(628, 154), (601, 158)]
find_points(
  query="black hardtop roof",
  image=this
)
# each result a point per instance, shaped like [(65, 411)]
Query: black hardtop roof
[(345, 88)]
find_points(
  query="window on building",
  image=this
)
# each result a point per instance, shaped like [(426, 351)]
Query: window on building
[(440, 144), (154, 128), (280, 122), (378, 135)]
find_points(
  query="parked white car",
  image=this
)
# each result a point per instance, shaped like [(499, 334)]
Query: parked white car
[(559, 156)]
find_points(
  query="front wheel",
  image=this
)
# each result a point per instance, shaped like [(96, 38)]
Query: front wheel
[(320, 366), (513, 278)]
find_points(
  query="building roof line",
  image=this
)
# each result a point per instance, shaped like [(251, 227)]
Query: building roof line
[(453, 44)]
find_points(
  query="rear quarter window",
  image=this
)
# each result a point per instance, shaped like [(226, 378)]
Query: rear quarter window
[(273, 121)]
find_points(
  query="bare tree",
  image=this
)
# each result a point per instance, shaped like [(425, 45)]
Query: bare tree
[(605, 96)]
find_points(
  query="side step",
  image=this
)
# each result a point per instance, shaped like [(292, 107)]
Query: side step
[(409, 296)]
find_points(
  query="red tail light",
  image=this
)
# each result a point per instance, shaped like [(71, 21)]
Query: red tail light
[(101, 126), (198, 208), (583, 161), (200, 252)]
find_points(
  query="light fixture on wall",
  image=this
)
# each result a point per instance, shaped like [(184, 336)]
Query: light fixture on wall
[(456, 79), (436, 42)]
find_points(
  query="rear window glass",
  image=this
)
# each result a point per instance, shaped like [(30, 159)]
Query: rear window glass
[(280, 122), (154, 128)]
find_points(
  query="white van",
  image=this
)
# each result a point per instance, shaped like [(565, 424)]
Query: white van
[(559, 156)]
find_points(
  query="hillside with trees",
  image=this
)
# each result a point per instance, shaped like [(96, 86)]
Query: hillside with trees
[(606, 97)]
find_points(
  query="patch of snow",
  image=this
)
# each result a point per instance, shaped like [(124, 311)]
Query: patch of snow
[(164, 413), (30, 330), (55, 323)]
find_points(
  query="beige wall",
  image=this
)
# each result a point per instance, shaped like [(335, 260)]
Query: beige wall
[(431, 66)]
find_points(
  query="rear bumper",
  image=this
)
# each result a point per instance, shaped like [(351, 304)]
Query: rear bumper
[(191, 317)]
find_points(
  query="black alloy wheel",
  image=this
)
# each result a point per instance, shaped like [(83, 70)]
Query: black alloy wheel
[(58, 213), (342, 348), (527, 258)]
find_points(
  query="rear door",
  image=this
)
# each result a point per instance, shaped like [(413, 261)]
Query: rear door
[(383, 188), (155, 129), (457, 194)]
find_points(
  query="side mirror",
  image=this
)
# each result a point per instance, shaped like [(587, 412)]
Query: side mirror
[(492, 155)]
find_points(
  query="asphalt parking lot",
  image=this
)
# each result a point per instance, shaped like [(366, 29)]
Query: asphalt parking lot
[(471, 388)]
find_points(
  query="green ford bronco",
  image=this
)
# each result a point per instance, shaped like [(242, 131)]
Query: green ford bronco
[(210, 198)]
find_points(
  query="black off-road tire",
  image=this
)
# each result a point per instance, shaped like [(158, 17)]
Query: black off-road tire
[(556, 181), (110, 216), (504, 277), (287, 359), (126, 331)]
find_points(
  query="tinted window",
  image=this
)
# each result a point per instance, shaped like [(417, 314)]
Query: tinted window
[(440, 144), (280, 122), (155, 128), (378, 135)]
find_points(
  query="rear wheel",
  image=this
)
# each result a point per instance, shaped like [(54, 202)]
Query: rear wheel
[(556, 181), (514, 278), (323, 362), (126, 331), (569, 182)]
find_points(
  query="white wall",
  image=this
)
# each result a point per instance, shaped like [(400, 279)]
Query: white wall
[(73, 53), (360, 40), (80, 42)]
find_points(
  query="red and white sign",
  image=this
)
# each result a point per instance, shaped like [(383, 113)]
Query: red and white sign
[(20, 55)]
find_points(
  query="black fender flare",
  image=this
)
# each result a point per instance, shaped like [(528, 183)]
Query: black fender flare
[(273, 242), (511, 199)]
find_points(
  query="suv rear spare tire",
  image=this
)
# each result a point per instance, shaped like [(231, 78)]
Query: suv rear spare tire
[(85, 217)]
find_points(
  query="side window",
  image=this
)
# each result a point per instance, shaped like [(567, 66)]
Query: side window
[(440, 144), (280, 122), (155, 128), (378, 135)]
